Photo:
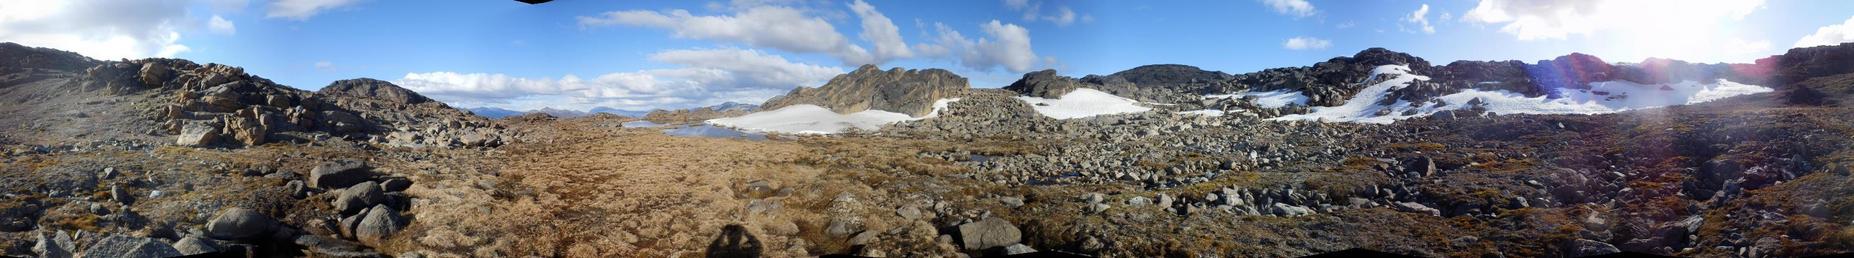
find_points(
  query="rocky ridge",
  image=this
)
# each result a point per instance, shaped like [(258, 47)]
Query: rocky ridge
[(911, 92)]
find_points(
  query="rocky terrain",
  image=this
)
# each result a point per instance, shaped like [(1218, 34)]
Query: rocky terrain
[(166, 157)]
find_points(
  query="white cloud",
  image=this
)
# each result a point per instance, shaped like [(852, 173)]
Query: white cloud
[(1033, 12), (221, 26), (1420, 20), (1306, 43), (1297, 8), (1692, 30), (100, 29), (706, 75), (881, 31), (1829, 35), (777, 27), (303, 9), (1530, 20), (1004, 45)]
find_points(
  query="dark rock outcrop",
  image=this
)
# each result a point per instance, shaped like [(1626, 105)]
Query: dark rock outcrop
[(1044, 84), (370, 88), (911, 92)]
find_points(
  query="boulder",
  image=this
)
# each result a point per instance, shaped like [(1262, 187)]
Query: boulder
[(1017, 249), (120, 246), (154, 74), (380, 222), (338, 174), (54, 245), (192, 245), (198, 133), (240, 224), (988, 233), (1416, 208), (1587, 248), (395, 185), (357, 197), (320, 246)]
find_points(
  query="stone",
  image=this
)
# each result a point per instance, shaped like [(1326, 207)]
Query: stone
[(1012, 201), (1165, 200), (153, 74), (908, 212), (843, 226), (192, 245), (1017, 249), (240, 224), (1288, 210), (988, 233), (197, 134), (50, 244), (338, 174), (1416, 208), (864, 238), (395, 185), (380, 222), (121, 246), (120, 195), (297, 188), (1587, 248), (1138, 201), (320, 246), (359, 196)]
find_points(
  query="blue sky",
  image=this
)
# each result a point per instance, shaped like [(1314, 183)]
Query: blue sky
[(640, 55)]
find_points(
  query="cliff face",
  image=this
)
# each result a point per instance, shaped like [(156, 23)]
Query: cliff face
[(909, 92)]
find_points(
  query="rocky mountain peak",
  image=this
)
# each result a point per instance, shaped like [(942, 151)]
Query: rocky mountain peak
[(370, 88), (906, 91), (1043, 84)]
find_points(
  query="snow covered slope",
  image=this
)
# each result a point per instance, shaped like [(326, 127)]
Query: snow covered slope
[(813, 119), (1602, 97), (1268, 99), (1083, 102)]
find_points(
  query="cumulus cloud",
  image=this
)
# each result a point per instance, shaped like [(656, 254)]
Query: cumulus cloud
[(1297, 8), (1829, 35), (706, 75), (1004, 45), (303, 9), (1306, 43), (97, 28), (1420, 20), (221, 25), (1530, 20), (776, 27), (881, 31), (1063, 16)]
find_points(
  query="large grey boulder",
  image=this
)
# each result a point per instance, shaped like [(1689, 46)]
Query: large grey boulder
[(380, 222), (120, 246), (358, 196), (240, 224), (52, 245), (338, 174), (988, 233), (1416, 208)]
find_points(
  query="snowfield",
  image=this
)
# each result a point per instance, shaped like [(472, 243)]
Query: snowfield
[(813, 119), (1268, 99), (1602, 97), (1083, 102)]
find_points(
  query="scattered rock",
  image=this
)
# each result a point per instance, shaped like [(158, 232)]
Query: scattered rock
[(1017, 249), (338, 174), (1416, 208), (115, 246), (240, 224), (359, 196), (320, 246), (198, 134), (192, 245), (52, 244), (380, 222), (1587, 248), (395, 185), (988, 233)]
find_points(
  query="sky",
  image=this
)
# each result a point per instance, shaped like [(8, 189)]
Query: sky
[(642, 55)]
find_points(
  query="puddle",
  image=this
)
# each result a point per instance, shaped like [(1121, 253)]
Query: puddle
[(641, 124), (712, 131)]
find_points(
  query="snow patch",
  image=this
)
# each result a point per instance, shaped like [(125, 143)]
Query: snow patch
[(1602, 97), (1268, 99), (813, 119), (1083, 102)]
